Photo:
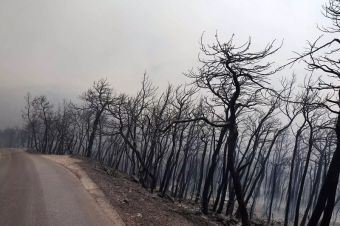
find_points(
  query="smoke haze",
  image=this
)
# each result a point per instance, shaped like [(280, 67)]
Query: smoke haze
[(58, 48)]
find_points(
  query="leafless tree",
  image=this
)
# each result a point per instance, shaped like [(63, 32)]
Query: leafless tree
[(236, 77)]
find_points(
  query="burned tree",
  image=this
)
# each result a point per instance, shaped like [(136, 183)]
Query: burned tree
[(236, 77), (96, 99)]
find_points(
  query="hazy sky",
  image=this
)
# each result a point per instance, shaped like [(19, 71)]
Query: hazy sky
[(59, 48)]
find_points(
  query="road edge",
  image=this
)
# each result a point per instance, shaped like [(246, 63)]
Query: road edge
[(91, 187)]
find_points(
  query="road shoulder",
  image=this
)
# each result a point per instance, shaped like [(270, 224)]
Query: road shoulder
[(72, 164)]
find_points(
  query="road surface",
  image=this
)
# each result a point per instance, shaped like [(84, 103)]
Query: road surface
[(35, 191)]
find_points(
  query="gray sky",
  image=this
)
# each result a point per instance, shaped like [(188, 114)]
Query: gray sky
[(59, 48)]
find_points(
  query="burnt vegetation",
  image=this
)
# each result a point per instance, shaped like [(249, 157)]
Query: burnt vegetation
[(229, 142)]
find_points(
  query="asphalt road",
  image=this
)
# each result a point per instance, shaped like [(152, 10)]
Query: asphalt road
[(35, 191)]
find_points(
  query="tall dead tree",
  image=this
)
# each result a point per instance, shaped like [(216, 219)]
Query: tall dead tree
[(235, 76), (96, 99)]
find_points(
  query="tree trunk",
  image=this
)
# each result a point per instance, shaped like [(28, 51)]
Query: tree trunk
[(210, 175), (326, 199)]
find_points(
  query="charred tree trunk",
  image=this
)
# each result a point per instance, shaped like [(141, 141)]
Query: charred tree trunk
[(326, 199), (210, 175)]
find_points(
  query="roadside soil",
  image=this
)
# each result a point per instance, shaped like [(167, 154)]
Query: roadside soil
[(137, 206)]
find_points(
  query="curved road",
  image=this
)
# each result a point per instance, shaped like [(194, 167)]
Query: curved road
[(35, 191)]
